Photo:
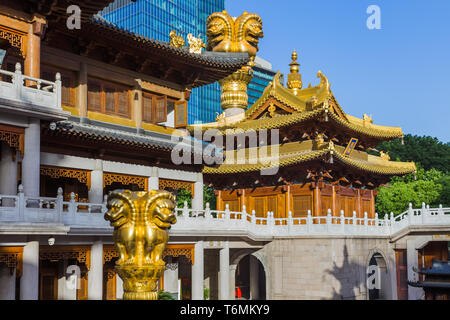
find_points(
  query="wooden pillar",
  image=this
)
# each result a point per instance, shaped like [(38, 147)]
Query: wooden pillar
[(137, 106), (243, 203), (33, 56), (219, 201), (333, 202), (358, 204), (316, 200), (83, 90), (288, 201), (372, 205)]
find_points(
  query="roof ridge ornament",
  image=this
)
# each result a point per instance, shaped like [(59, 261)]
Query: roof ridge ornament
[(294, 78), (195, 44), (176, 41)]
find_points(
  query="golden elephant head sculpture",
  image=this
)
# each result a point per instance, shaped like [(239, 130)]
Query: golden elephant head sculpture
[(229, 34)]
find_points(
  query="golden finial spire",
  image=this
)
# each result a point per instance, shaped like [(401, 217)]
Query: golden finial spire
[(294, 78)]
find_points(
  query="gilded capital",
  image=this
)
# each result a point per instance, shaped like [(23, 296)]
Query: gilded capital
[(231, 34), (141, 221)]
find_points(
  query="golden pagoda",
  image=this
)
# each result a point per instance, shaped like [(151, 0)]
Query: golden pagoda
[(312, 168)]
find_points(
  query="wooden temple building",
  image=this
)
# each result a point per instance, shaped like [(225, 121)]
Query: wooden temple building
[(312, 171)]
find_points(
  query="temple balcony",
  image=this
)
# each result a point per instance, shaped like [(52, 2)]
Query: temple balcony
[(28, 96), (20, 214)]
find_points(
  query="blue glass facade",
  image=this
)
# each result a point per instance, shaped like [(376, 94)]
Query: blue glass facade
[(260, 80), (155, 19)]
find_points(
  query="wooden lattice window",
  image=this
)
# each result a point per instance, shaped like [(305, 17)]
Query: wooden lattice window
[(154, 108), (161, 109), (326, 203), (94, 96), (147, 107), (260, 207), (233, 205), (348, 204), (300, 205), (109, 98), (180, 114)]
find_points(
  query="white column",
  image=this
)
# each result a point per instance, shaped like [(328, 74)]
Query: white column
[(153, 180), (8, 170), (198, 272), (29, 282), (7, 283), (171, 281), (95, 274), (232, 285), (119, 288), (31, 159), (224, 272), (96, 192), (254, 278), (197, 200)]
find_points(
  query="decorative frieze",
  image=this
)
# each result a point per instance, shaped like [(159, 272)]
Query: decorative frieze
[(174, 250), (83, 176), (12, 257), (13, 136), (81, 253), (176, 185), (16, 39), (110, 178)]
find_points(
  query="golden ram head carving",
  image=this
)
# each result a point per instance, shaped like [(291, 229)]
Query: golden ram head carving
[(229, 34), (141, 221)]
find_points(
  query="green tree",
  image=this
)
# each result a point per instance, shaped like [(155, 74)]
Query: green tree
[(428, 151), (209, 196), (423, 186), (431, 182), (182, 196)]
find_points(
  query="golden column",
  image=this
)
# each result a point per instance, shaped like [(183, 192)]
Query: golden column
[(231, 34), (141, 221)]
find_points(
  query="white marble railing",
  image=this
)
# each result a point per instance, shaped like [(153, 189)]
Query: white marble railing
[(217, 221), (39, 92), (22, 209)]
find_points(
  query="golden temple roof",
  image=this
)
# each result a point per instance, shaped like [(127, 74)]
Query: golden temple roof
[(307, 104), (295, 153)]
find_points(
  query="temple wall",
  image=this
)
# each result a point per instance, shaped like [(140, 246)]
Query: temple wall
[(325, 268)]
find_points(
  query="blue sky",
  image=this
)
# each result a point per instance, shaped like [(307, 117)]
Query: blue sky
[(400, 74)]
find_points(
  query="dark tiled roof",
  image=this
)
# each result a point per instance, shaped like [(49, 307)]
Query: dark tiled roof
[(102, 131), (157, 58), (207, 58)]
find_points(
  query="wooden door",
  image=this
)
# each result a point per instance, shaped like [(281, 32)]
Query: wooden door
[(48, 280), (402, 274), (109, 281)]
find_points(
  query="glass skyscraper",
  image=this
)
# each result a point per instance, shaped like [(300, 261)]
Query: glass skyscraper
[(155, 19), (262, 75)]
